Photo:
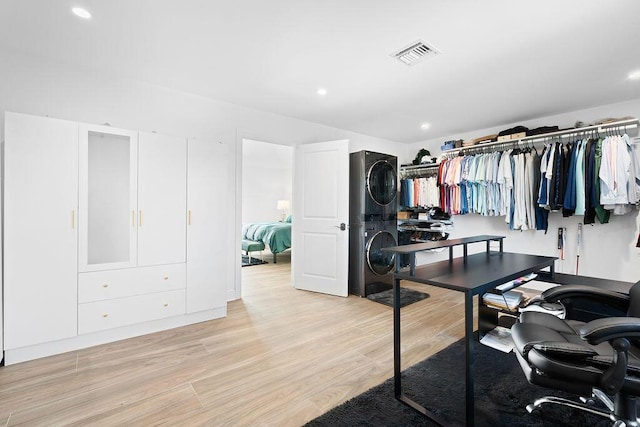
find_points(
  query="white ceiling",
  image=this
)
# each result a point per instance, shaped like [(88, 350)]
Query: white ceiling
[(501, 61)]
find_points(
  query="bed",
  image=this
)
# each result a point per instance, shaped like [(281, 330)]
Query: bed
[(276, 235)]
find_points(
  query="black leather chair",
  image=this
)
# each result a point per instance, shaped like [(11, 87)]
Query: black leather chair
[(598, 358)]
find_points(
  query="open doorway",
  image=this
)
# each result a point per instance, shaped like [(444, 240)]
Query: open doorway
[(267, 187)]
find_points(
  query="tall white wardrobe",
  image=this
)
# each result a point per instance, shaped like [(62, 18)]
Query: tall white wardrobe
[(109, 233)]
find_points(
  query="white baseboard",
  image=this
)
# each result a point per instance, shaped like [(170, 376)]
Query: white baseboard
[(37, 351)]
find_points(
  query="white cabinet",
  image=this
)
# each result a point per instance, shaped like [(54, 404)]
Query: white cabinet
[(114, 313), (162, 199), (40, 226), (207, 200), (112, 284), (132, 199), (96, 235), (108, 198)]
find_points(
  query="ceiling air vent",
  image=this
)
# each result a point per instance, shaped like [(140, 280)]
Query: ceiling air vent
[(415, 52)]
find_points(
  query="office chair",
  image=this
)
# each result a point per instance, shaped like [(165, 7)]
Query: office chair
[(599, 358)]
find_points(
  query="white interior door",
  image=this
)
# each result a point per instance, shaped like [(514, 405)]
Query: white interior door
[(320, 240)]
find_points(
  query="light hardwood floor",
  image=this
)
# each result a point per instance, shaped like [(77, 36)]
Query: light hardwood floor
[(280, 358)]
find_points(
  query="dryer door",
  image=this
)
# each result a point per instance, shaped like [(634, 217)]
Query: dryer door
[(381, 182), (380, 262)]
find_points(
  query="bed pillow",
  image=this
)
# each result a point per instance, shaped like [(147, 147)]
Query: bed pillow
[(288, 219)]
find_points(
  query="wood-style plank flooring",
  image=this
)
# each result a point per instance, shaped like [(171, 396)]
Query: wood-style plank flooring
[(280, 358)]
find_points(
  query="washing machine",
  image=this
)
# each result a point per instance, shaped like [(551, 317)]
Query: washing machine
[(370, 269), (373, 187)]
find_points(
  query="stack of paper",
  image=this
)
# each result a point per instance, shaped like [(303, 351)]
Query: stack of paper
[(498, 338), (507, 301), (516, 282)]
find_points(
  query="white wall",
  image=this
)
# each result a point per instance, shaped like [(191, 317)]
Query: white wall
[(42, 87), (266, 178), (607, 251)]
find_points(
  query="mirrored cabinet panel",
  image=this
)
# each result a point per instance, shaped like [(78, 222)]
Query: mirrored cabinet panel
[(108, 211)]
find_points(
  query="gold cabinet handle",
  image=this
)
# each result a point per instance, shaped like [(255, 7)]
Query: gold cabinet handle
[(73, 219), (105, 285), (105, 315), (189, 217), (140, 218)]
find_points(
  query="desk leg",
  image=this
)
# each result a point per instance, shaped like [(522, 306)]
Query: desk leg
[(397, 377), (397, 385), (468, 336)]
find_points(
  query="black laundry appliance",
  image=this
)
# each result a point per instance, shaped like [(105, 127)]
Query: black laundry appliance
[(373, 187), (373, 211), (370, 269)]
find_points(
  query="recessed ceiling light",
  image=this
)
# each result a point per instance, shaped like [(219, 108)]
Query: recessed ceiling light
[(634, 75), (425, 126), (322, 91), (82, 13)]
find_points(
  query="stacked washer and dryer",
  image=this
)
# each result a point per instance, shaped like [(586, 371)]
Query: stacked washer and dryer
[(373, 209)]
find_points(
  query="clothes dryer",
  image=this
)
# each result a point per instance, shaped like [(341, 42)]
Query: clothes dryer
[(370, 269), (373, 188)]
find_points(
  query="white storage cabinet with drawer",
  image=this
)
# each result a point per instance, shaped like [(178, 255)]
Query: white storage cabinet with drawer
[(103, 214)]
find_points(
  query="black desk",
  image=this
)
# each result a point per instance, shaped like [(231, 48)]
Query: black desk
[(472, 274)]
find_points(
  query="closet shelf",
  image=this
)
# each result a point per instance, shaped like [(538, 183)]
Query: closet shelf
[(567, 133)]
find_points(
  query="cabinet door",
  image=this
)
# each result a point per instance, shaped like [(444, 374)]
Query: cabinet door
[(162, 199), (40, 220), (208, 202), (108, 218)]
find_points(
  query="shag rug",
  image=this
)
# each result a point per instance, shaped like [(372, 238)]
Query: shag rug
[(407, 296), (254, 261), (501, 395)]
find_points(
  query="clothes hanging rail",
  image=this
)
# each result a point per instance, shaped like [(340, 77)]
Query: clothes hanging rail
[(602, 130), (408, 171)]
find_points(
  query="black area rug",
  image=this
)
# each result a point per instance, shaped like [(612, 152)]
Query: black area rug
[(501, 392), (254, 261), (407, 296)]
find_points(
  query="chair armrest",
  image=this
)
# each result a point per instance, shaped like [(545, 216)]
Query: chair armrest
[(603, 296), (564, 349), (610, 328)]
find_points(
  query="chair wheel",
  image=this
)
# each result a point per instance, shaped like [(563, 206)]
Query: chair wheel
[(530, 407)]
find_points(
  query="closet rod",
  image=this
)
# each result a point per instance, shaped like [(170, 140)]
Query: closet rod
[(420, 166), (415, 170), (603, 128)]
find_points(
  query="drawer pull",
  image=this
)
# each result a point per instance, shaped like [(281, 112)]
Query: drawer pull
[(105, 315), (166, 305), (166, 277), (105, 285)]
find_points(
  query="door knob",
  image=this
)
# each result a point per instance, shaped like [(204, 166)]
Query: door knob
[(342, 226)]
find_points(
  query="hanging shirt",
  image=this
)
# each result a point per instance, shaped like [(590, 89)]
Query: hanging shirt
[(569, 200), (580, 183)]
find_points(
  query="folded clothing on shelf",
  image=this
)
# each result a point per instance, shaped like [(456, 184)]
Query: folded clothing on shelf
[(542, 129), (511, 131)]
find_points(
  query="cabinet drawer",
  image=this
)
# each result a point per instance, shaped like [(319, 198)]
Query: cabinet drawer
[(104, 285), (100, 315)]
